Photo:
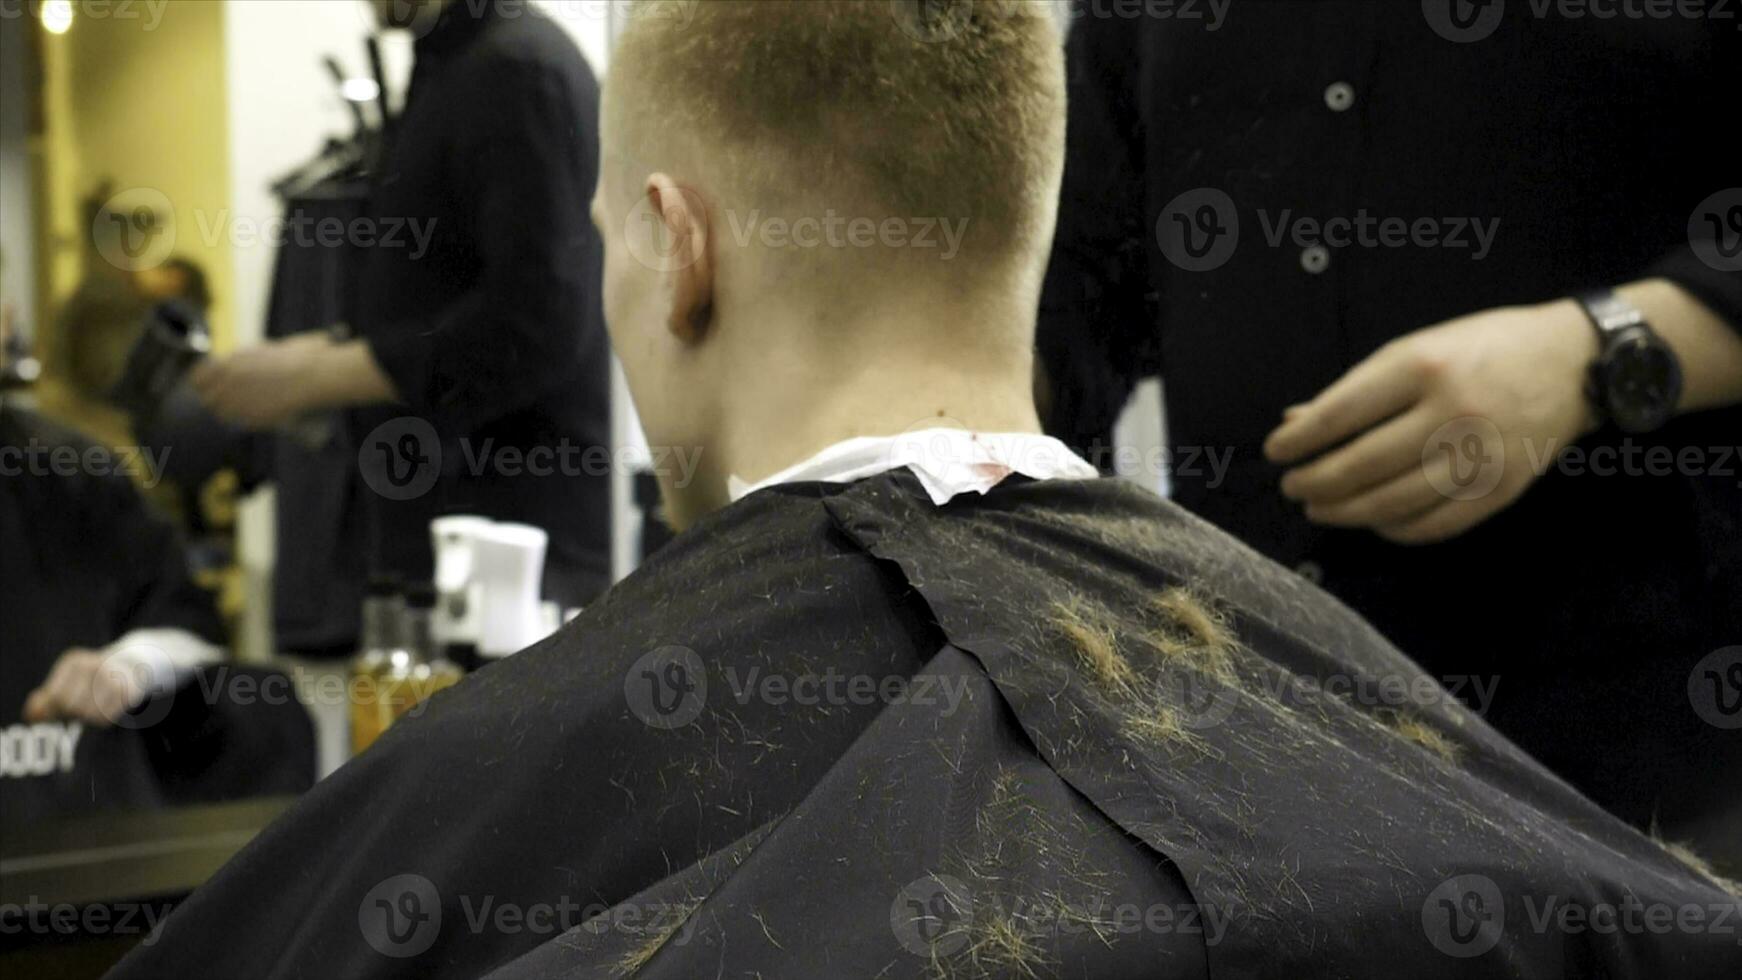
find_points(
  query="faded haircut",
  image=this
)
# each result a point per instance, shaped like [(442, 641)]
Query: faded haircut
[(951, 110)]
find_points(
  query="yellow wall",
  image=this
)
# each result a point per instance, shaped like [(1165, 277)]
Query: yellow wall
[(142, 102)]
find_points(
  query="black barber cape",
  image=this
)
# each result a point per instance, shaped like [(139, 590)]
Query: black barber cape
[(668, 789)]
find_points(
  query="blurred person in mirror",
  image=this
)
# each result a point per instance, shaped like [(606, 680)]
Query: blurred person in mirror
[(477, 367), (102, 320), (115, 691), (1461, 304), (913, 694), (86, 349), (99, 607)]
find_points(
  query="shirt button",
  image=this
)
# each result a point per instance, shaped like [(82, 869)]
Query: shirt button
[(1315, 258), (1339, 96), (1312, 571)]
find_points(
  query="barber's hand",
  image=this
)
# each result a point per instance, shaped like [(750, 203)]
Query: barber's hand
[(265, 386), (1442, 428), (86, 686)]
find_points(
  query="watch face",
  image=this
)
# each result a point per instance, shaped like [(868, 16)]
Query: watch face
[(1644, 383)]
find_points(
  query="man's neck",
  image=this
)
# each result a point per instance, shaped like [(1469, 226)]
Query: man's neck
[(767, 434), (788, 403)]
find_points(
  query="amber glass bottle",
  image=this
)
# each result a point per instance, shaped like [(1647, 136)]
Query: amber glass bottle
[(388, 685), (383, 617)]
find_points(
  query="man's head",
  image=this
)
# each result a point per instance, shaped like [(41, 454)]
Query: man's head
[(825, 189), (178, 278)]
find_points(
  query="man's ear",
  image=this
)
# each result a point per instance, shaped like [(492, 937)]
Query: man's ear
[(690, 257)]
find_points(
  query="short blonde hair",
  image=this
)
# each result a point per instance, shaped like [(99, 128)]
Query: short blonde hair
[(935, 109)]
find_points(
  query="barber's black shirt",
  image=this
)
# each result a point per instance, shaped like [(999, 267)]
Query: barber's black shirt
[(490, 326), (1591, 149)]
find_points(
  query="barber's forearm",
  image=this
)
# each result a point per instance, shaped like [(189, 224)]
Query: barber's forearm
[(346, 375), (1710, 349)]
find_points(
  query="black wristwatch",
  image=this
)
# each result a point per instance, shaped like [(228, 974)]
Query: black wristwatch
[(1636, 381)]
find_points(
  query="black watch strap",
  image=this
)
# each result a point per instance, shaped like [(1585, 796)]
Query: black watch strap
[(1610, 314)]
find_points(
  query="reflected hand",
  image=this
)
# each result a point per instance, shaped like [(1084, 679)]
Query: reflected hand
[(86, 686), (266, 386)]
